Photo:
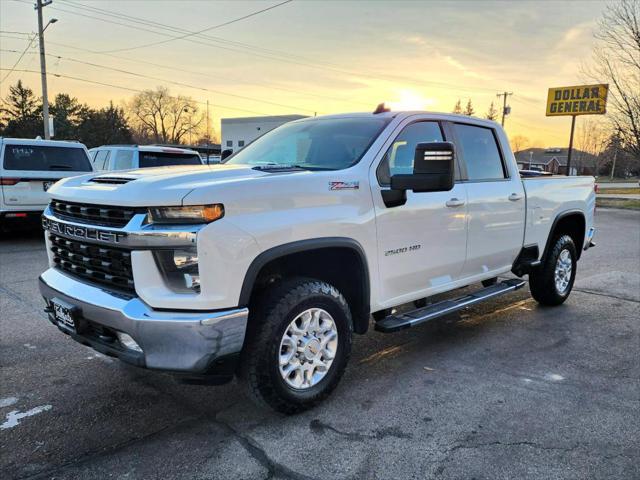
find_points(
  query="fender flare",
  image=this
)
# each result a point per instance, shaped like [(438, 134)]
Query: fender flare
[(301, 246), (559, 217)]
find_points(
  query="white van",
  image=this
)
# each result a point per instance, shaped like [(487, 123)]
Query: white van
[(126, 157), (29, 167)]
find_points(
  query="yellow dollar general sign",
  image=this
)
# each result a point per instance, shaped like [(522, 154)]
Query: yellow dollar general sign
[(578, 100)]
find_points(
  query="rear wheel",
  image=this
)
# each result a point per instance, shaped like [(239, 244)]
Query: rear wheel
[(298, 345), (552, 283)]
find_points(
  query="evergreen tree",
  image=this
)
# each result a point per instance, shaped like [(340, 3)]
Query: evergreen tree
[(457, 108), (105, 126), (21, 113), (68, 113), (469, 109), (492, 113)]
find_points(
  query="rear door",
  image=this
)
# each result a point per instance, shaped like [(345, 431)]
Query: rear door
[(29, 170), (496, 202)]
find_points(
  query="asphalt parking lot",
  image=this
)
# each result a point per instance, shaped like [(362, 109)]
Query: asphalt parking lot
[(502, 391)]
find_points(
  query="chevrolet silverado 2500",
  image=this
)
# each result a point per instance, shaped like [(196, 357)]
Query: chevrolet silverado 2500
[(265, 265)]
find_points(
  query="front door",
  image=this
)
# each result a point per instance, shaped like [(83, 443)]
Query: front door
[(421, 243)]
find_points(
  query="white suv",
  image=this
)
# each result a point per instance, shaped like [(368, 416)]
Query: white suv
[(29, 167), (126, 157)]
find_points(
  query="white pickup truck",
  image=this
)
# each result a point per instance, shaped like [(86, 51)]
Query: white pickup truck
[(265, 265)]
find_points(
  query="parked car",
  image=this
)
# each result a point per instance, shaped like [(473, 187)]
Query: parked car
[(264, 266), (29, 167), (127, 157)]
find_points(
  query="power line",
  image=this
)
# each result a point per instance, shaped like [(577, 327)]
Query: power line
[(218, 92), (173, 68), (105, 84), (201, 31), (11, 70), (284, 57)]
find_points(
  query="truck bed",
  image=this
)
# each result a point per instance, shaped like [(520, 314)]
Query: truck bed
[(550, 196)]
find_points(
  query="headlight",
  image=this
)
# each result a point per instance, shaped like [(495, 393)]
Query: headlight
[(180, 269), (189, 214)]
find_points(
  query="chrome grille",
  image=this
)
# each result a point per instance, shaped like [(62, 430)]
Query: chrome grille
[(103, 265), (103, 215)]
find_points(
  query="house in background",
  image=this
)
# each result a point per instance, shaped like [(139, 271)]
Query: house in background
[(554, 160)]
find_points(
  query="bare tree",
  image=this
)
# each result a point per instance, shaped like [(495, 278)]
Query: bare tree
[(591, 139), (519, 143), (492, 113), (157, 116), (617, 62)]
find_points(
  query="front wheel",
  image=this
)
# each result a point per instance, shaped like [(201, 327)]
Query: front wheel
[(297, 346), (551, 284)]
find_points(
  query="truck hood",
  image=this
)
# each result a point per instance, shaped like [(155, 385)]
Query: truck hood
[(148, 186)]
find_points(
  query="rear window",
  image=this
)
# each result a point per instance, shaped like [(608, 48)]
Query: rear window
[(163, 159), (43, 158)]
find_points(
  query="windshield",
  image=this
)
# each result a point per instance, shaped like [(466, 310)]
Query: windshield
[(319, 144), (163, 159), (44, 158)]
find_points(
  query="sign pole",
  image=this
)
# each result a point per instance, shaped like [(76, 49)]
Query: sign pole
[(573, 126)]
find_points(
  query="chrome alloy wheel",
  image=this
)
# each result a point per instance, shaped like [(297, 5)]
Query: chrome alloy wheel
[(562, 274), (307, 348)]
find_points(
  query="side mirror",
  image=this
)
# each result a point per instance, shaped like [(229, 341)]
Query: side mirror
[(225, 154), (433, 169)]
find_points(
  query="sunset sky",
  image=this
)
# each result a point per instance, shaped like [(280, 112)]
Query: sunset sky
[(311, 56)]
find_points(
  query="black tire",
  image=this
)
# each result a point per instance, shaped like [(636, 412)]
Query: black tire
[(259, 367), (489, 282), (542, 281)]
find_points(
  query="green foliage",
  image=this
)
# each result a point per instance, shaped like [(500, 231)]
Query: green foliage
[(21, 116), (21, 113), (104, 127), (492, 113), (468, 110), (457, 108)]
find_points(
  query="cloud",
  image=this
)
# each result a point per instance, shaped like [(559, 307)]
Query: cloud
[(465, 71)]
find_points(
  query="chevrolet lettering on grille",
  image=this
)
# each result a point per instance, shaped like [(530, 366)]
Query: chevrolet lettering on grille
[(77, 231)]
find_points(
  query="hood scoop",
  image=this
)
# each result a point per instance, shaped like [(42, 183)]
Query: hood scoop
[(113, 180)]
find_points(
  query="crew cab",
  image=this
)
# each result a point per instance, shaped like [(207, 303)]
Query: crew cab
[(126, 157), (28, 167), (264, 266)]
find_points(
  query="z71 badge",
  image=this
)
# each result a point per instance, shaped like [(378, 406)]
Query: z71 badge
[(352, 185)]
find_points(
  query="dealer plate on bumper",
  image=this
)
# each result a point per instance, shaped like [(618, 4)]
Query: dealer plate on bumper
[(65, 314)]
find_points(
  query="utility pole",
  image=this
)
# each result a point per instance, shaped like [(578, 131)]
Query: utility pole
[(505, 109), (40, 4), (208, 136), (569, 153)]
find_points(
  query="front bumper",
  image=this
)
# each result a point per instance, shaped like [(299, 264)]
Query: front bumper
[(200, 343)]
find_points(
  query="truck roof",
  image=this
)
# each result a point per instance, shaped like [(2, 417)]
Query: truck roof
[(452, 117), (151, 148), (45, 143)]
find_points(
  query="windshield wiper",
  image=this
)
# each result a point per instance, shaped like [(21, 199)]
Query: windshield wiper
[(276, 166), (279, 167)]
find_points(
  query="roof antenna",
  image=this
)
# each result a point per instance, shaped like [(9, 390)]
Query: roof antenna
[(381, 108)]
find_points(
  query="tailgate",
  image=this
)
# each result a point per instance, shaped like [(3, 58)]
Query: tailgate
[(27, 191)]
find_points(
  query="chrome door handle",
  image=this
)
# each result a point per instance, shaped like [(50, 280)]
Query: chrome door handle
[(454, 202), (514, 197)]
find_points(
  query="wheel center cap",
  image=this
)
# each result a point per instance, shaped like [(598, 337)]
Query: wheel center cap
[(311, 349)]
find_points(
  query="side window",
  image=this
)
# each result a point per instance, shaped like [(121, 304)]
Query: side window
[(399, 157), (481, 152), (101, 161), (124, 160)]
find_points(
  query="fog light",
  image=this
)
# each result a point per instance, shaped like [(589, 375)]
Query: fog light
[(180, 268), (128, 342)]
